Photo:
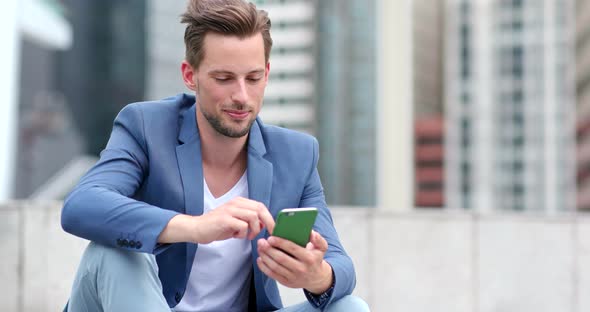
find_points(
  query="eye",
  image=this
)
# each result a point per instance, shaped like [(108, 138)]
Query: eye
[(254, 79), (222, 79)]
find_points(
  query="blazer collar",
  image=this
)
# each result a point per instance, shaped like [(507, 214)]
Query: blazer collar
[(188, 123), (255, 139)]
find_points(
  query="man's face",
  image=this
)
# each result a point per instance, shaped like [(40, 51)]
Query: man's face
[(230, 82)]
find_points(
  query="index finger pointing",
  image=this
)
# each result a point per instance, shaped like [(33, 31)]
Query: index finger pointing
[(263, 214), (267, 219)]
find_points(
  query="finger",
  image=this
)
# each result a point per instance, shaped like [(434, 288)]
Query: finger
[(261, 210), (289, 247), (264, 215), (276, 268), (255, 228), (247, 203), (248, 216), (267, 219), (263, 245), (239, 228), (266, 270), (287, 261)]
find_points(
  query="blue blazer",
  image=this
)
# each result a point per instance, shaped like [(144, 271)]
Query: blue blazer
[(151, 171)]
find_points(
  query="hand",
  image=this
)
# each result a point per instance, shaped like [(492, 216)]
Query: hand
[(238, 218), (295, 266)]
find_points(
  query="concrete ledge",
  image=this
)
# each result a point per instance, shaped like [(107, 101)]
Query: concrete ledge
[(582, 261), (46, 258), (525, 266), (416, 259), (10, 262), (422, 260)]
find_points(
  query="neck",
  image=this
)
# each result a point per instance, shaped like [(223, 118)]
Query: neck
[(219, 151)]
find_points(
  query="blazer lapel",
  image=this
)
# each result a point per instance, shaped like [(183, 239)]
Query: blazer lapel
[(259, 169), (260, 173), (260, 176), (191, 171)]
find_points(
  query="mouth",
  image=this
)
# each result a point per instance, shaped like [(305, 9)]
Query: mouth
[(237, 114)]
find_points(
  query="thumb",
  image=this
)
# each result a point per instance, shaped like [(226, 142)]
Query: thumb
[(318, 241)]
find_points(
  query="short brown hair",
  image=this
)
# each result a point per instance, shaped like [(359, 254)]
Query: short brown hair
[(226, 17)]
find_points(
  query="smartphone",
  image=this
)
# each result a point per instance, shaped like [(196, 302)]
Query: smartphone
[(295, 224)]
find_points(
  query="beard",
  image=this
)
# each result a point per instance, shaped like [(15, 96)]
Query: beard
[(217, 123)]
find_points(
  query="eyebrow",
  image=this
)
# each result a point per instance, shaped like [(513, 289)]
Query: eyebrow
[(226, 72)]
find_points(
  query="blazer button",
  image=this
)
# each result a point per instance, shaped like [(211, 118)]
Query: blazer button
[(178, 297), (132, 244), (119, 242), (125, 243), (138, 245)]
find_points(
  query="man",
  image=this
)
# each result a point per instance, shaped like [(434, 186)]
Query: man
[(196, 182)]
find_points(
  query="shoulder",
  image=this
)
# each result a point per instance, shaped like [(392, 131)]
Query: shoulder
[(292, 150), (277, 138), (294, 156), (175, 105), (154, 120), (154, 115)]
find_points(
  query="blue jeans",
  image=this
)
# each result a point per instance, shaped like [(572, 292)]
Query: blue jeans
[(111, 279)]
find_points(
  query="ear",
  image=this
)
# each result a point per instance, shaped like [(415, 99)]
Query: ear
[(188, 75), (266, 73)]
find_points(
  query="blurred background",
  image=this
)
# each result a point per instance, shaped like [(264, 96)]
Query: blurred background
[(454, 136)]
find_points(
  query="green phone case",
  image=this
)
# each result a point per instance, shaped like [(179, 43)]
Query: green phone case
[(295, 224)]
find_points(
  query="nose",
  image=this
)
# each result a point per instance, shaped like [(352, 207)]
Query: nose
[(240, 94)]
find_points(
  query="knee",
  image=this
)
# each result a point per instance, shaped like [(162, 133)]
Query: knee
[(111, 258), (349, 303)]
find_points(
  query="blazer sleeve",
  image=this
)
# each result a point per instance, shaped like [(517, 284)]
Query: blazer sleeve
[(101, 207), (336, 256)]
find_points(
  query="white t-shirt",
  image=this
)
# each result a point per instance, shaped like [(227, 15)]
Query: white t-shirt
[(220, 276)]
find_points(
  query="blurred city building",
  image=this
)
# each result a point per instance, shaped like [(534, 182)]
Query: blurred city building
[(583, 103), (428, 60), (428, 29), (77, 92), (509, 105), (290, 98), (429, 161), (165, 48), (347, 100), (105, 68), (70, 69), (33, 117)]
